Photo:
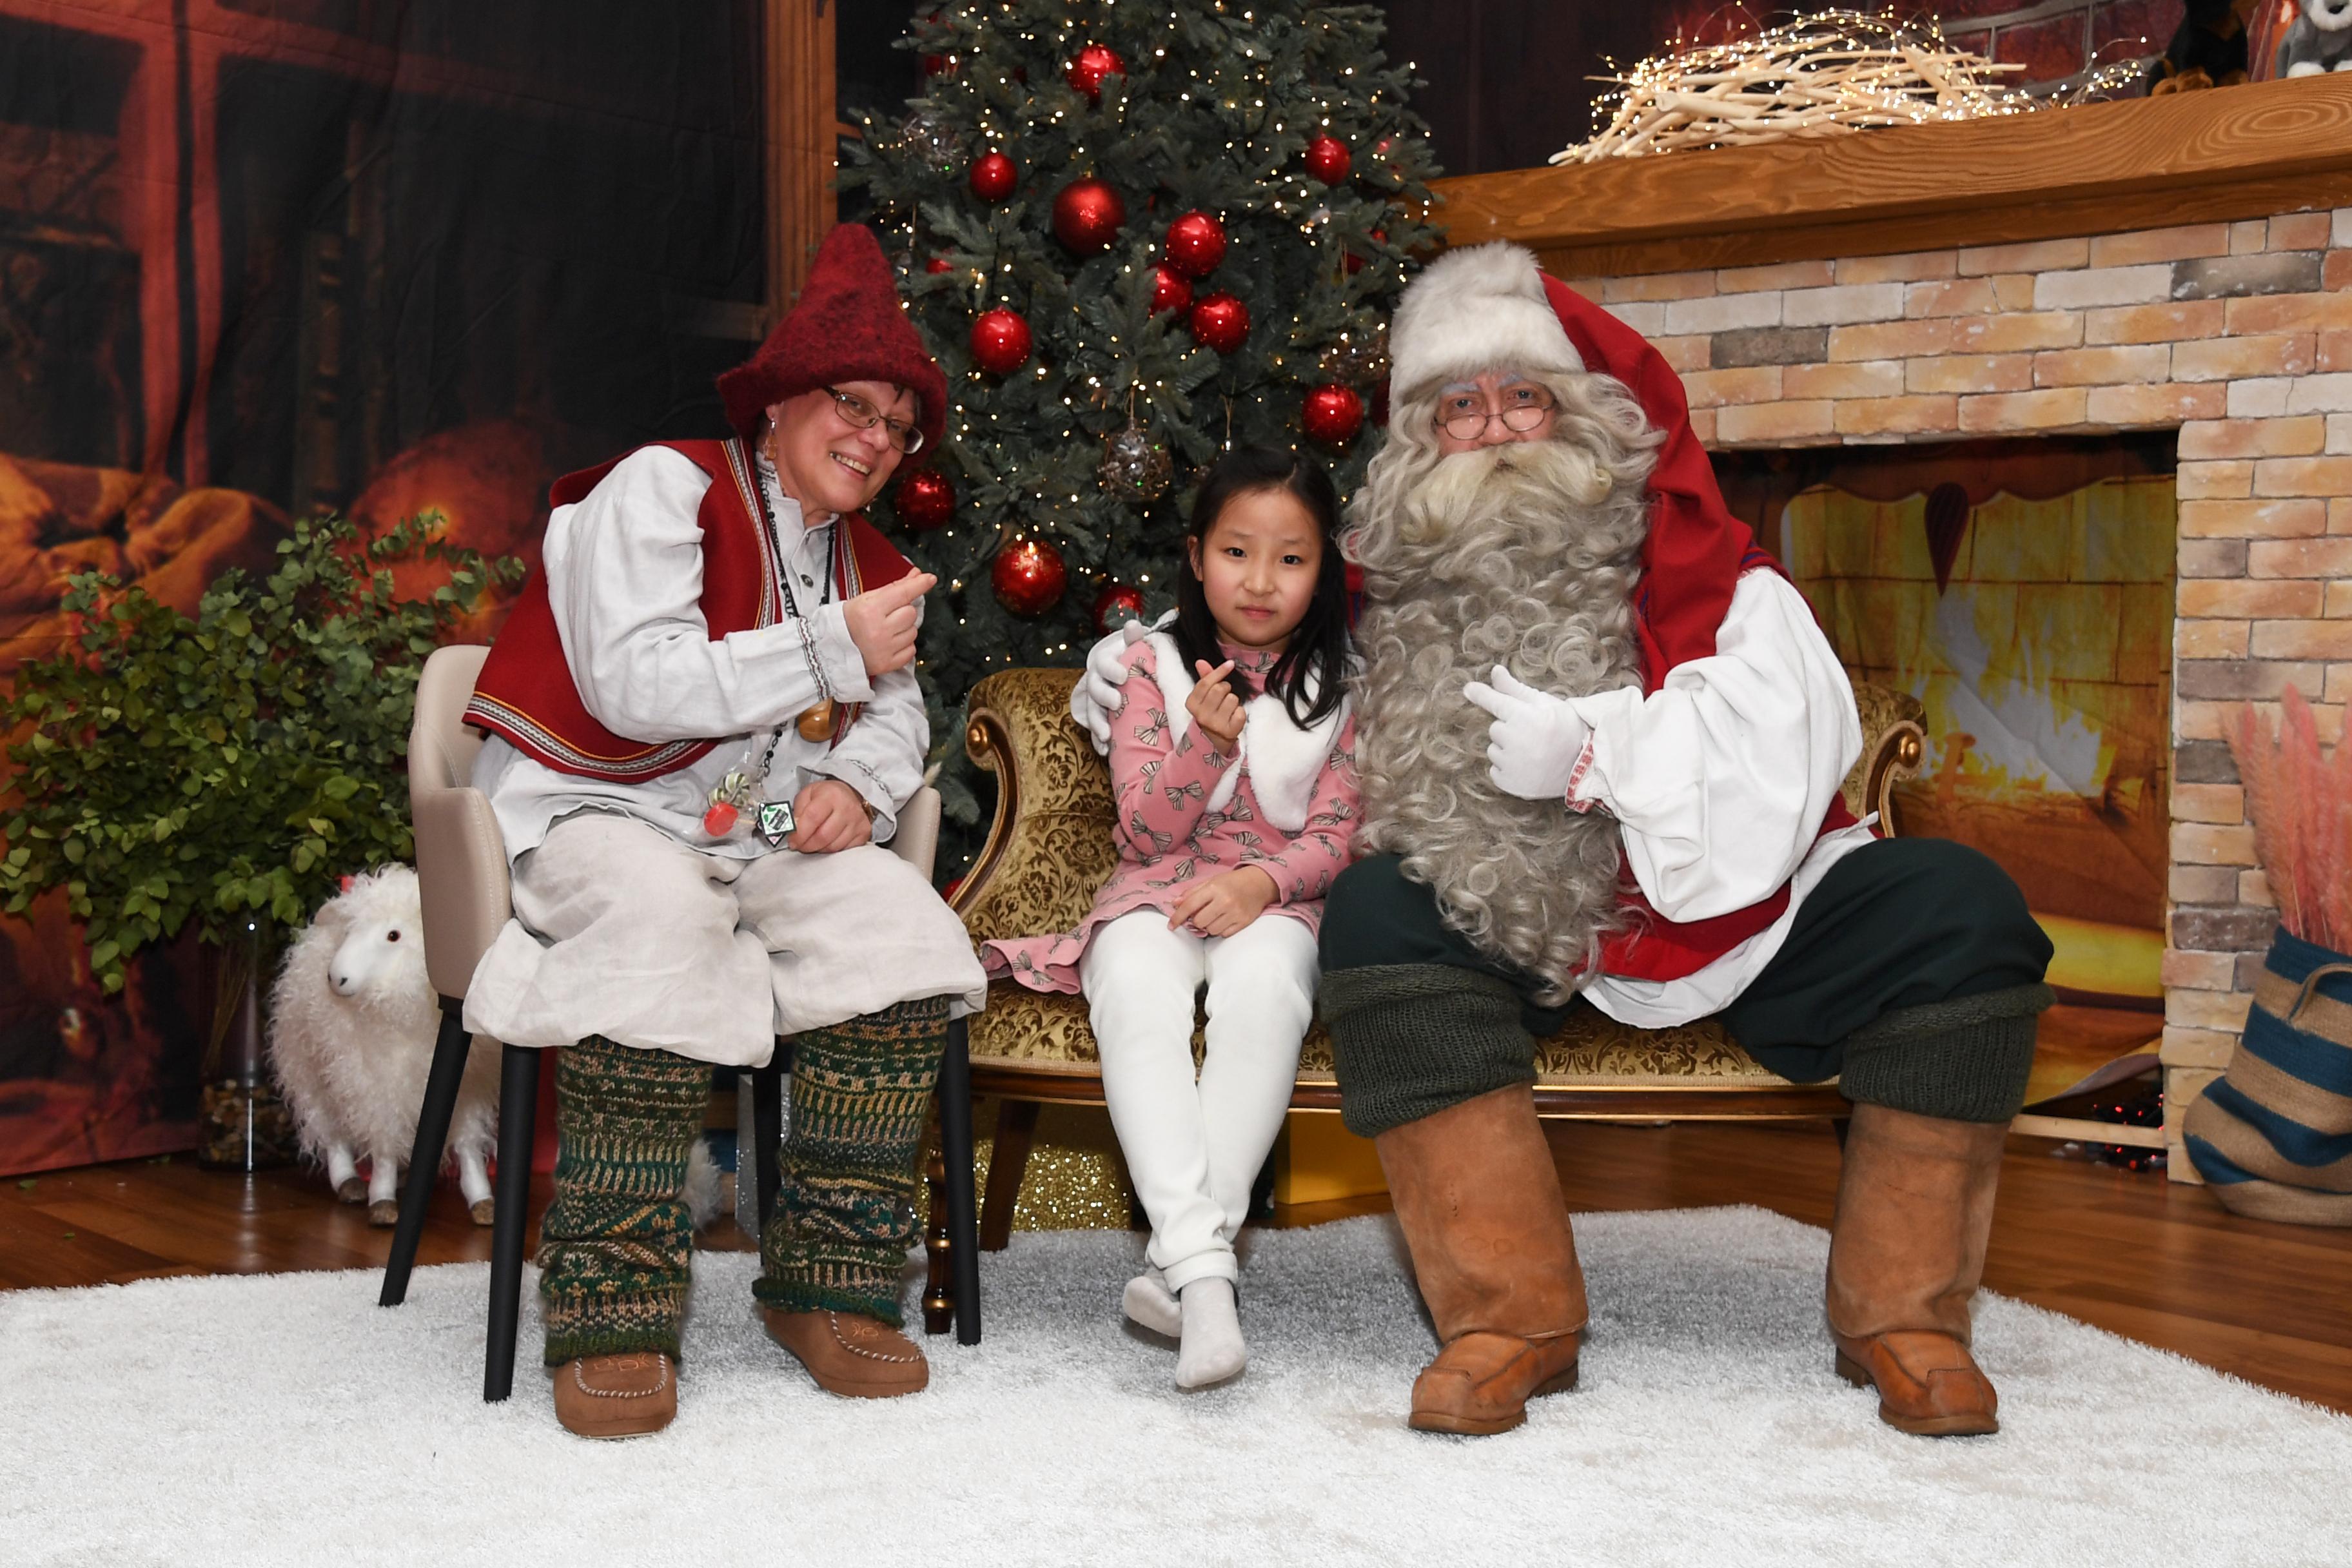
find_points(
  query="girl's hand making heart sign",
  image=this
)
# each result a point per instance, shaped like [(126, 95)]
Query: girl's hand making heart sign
[(1214, 707)]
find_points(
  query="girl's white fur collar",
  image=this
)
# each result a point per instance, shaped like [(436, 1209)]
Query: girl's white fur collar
[(1282, 760)]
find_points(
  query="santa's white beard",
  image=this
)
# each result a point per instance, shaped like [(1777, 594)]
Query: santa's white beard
[(1521, 556)]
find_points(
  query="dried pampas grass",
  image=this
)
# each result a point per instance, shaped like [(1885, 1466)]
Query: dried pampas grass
[(2301, 806)]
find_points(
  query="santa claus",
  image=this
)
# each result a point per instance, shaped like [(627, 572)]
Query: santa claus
[(1601, 740)]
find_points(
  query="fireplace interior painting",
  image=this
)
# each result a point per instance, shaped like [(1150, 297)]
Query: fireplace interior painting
[(2023, 591)]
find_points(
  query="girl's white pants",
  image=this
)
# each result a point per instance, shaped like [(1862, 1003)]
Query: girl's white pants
[(1194, 1148)]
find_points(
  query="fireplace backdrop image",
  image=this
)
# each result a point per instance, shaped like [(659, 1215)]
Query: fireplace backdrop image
[(2023, 591), (262, 258)]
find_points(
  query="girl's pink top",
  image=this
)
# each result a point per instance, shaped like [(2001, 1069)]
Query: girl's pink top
[(1169, 840)]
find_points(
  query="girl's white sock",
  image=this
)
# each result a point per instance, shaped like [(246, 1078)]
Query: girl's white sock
[(1210, 1349), (1149, 1304)]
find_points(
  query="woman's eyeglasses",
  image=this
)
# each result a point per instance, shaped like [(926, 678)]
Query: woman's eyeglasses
[(864, 416)]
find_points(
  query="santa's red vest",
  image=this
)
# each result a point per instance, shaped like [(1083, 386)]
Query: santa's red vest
[(527, 694)]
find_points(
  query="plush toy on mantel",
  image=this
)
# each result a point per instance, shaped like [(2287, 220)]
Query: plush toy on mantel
[(2208, 49), (2320, 41), (352, 1024)]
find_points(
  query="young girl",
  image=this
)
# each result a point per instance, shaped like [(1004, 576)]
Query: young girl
[(1233, 761)]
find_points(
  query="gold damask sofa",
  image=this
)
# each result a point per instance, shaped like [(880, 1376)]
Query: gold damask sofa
[(1050, 847)]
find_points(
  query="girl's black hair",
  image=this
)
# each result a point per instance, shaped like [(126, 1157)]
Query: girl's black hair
[(1320, 642)]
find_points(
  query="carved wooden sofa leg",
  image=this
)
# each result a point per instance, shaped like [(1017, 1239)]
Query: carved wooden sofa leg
[(1016, 1133)]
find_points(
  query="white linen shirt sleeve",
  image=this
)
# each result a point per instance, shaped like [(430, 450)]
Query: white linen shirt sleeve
[(1719, 780), (625, 579)]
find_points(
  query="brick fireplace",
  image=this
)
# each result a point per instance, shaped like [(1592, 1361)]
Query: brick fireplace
[(2135, 267)]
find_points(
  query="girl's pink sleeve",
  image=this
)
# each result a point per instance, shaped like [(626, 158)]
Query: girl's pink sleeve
[(1161, 785), (1303, 869)]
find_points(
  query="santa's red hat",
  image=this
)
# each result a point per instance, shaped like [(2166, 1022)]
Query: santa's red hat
[(848, 326)]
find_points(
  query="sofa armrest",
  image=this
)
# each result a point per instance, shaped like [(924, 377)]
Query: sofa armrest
[(1894, 743), (1050, 846)]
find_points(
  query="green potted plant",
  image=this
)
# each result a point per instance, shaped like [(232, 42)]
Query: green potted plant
[(228, 770)]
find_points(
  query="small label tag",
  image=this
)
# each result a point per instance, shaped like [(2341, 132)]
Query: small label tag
[(775, 821)]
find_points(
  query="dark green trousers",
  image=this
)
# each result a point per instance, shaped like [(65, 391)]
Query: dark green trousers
[(1913, 974)]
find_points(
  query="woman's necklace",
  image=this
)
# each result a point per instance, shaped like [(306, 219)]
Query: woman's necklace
[(740, 791)]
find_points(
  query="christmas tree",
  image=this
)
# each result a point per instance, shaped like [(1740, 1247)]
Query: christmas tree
[(1133, 235)]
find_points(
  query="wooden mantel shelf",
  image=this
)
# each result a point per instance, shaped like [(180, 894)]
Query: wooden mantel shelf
[(2190, 157)]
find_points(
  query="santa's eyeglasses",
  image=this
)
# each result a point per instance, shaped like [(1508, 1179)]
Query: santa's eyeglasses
[(1464, 416), (864, 416)]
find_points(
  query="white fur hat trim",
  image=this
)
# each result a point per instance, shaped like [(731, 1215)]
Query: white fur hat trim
[(1482, 307)]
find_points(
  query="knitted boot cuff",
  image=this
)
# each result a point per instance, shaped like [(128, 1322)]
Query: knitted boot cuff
[(594, 1323), (1410, 1039), (1966, 1059)]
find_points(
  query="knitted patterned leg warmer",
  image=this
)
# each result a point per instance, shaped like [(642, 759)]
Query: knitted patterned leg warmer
[(616, 1245), (845, 1211)]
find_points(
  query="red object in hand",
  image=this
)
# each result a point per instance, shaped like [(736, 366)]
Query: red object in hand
[(999, 341), (1029, 577), (1221, 323), (924, 499), (992, 176), (1095, 62), (719, 820), (1086, 216), (1170, 292), (1328, 159), (1196, 243), (1117, 604), (1333, 413)]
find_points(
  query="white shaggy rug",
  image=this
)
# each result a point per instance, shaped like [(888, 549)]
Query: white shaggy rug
[(287, 1419)]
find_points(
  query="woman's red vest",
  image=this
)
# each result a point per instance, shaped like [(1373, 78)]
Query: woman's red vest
[(527, 695)]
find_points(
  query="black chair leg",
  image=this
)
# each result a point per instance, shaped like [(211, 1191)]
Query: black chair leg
[(518, 1110), (441, 1083), (963, 1207), (768, 1132)]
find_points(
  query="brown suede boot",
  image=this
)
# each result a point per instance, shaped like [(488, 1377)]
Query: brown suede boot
[(1907, 1249), (1481, 1209)]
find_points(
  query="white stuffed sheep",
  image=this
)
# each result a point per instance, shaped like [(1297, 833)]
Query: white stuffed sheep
[(352, 1024)]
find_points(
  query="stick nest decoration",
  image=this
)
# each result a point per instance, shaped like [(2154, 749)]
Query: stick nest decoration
[(1820, 75)]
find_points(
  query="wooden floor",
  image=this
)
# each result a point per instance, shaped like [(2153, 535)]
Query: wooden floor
[(2156, 1261)]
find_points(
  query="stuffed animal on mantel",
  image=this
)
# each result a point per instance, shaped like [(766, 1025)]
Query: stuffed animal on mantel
[(2208, 49), (2320, 41)]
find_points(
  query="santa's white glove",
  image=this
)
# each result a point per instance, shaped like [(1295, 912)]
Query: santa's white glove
[(1533, 745), (1096, 696)]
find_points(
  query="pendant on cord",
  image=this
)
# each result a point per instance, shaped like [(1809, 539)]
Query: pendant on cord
[(775, 821), (821, 722)]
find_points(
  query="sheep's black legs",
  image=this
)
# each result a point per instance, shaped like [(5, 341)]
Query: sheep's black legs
[(518, 1109), (424, 1159)]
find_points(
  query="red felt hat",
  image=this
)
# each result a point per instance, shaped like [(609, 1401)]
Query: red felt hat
[(847, 325)]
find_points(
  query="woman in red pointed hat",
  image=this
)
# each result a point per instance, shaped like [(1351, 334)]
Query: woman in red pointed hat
[(703, 723)]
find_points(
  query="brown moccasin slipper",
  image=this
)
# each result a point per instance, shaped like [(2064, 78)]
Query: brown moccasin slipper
[(850, 1355), (624, 1396)]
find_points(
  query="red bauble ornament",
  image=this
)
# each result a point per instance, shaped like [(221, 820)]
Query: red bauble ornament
[(1221, 323), (1169, 291), (924, 499), (1029, 577), (1086, 216), (1196, 243), (1333, 413), (1356, 262), (999, 341), (992, 176), (938, 264), (1095, 62), (1116, 605), (938, 65), (1328, 159)]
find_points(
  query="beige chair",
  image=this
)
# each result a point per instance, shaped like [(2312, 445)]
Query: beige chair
[(1050, 846), (462, 883)]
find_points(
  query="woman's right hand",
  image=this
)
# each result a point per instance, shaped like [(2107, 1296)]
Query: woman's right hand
[(1214, 707), (883, 621)]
